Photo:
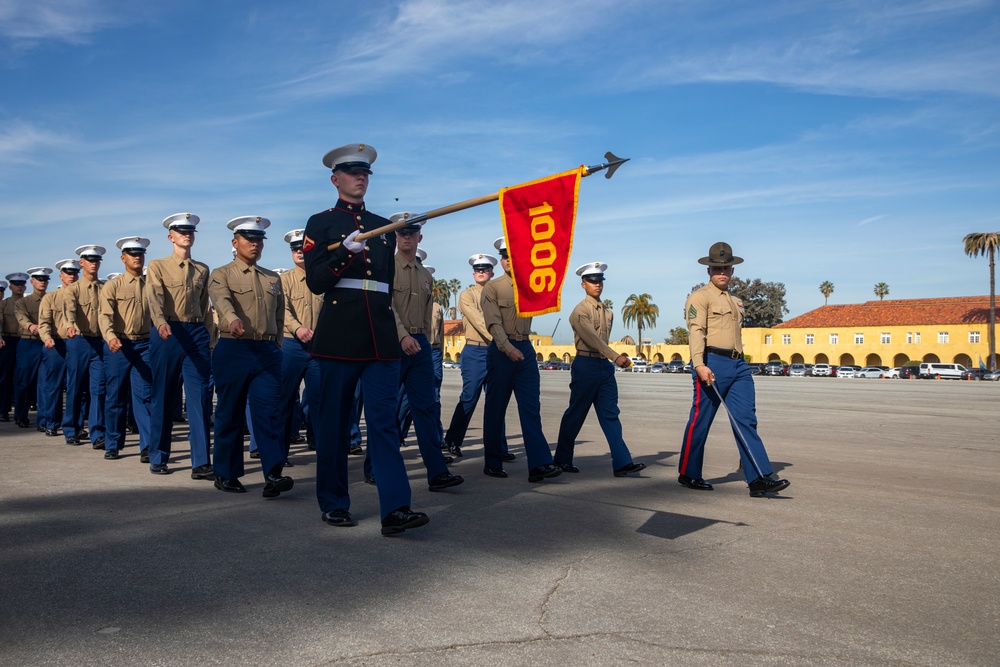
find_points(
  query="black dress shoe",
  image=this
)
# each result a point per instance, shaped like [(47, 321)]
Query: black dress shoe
[(275, 485), (355, 450), (159, 469), (448, 459), (40, 429), (692, 483), (23, 423), (227, 485), (629, 469), (508, 457), (546, 471), (4, 418), (203, 472), (403, 519), (72, 440), (83, 435), (444, 481), (494, 472), (296, 440), (763, 485), (98, 444), (567, 467), (340, 518), (288, 464), (111, 454), (144, 456), (455, 451), (369, 479), (311, 446), (51, 432), (255, 454)]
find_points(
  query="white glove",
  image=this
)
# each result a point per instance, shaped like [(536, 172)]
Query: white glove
[(353, 247)]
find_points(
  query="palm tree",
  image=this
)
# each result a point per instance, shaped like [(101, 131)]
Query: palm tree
[(641, 311), (442, 292), (456, 288), (608, 303), (826, 289), (987, 243), (881, 290)]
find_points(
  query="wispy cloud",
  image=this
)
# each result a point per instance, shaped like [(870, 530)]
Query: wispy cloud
[(868, 221), (20, 140), (74, 21)]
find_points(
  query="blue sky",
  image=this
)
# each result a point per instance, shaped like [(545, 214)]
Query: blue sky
[(855, 142)]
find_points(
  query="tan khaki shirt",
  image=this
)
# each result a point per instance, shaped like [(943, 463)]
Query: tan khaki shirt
[(82, 306), (437, 326), (51, 318), (500, 313), (251, 294), (411, 297), (26, 312), (469, 304), (123, 308), (301, 305), (177, 290), (9, 326), (591, 321), (714, 318)]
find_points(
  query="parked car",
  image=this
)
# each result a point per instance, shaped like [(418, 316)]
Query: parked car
[(639, 366), (973, 374), (658, 367), (675, 366), (822, 370), (450, 365), (776, 368), (909, 371), (845, 372), (942, 371), (550, 366), (893, 373), (797, 370), (870, 372), (992, 376), (756, 369)]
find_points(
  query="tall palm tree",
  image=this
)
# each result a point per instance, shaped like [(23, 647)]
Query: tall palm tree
[(826, 289), (441, 292), (881, 290), (456, 288), (641, 311), (987, 243)]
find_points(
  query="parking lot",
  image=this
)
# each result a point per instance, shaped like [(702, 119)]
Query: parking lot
[(882, 552)]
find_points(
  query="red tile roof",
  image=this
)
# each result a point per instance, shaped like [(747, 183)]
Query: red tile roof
[(902, 312), (453, 328)]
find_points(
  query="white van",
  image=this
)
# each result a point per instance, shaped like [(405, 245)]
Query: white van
[(942, 371)]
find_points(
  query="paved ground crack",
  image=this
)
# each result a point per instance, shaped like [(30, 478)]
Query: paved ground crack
[(552, 593)]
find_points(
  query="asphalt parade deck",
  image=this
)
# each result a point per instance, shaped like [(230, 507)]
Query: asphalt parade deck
[(882, 552)]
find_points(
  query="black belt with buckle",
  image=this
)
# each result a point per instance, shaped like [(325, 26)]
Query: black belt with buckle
[(588, 353), (723, 352)]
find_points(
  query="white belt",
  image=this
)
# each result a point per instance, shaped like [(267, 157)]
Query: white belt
[(366, 285)]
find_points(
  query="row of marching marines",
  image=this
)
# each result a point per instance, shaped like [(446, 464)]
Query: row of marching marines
[(354, 322)]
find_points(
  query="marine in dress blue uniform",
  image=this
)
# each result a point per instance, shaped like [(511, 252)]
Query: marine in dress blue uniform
[(715, 319), (356, 339), (177, 294), (125, 325), (511, 368), (592, 377), (246, 362), (85, 349)]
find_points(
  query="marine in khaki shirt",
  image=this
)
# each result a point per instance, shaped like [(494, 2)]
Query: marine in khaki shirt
[(500, 314), (591, 319), (81, 306), (412, 296), (26, 310), (248, 300), (124, 312), (52, 322), (177, 290), (471, 307), (715, 319), (301, 305)]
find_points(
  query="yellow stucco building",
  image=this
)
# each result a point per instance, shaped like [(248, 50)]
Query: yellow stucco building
[(875, 333)]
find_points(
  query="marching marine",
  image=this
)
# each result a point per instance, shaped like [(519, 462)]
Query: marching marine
[(81, 306)]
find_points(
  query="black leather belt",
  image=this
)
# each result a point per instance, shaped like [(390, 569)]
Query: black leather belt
[(723, 352), (248, 336), (415, 330), (476, 343), (518, 337), (588, 353), (132, 336), (35, 336)]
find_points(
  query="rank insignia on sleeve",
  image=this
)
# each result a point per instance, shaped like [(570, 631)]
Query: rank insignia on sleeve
[(307, 244), (692, 312)]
